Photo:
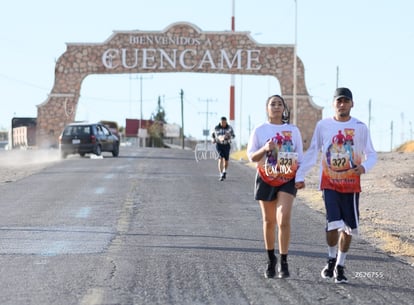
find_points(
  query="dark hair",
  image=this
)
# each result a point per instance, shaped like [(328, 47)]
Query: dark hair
[(286, 111)]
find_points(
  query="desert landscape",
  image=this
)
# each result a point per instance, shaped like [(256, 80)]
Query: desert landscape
[(386, 202)]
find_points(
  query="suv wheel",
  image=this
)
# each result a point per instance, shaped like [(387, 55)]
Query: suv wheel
[(98, 150), (115, 151)]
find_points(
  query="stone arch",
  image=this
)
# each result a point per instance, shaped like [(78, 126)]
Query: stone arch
[(181, 47)]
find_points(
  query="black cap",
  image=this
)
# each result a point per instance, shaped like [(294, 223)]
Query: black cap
[(223, 118), (343, 92)]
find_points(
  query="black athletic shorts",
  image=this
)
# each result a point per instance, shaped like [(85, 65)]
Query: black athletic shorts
[(342, 211), (266, 192), (223, 150)]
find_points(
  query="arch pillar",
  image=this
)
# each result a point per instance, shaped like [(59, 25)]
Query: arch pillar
[(58, 110), (308, 113)]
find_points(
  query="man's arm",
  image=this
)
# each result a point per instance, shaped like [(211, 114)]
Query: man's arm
[(232, 133), (309, 159), (213, 136)]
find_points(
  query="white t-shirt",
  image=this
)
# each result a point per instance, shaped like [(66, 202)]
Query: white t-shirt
[(343, 145), (279, 166)]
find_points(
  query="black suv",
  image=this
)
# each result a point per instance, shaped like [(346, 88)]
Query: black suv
[(83, 138)]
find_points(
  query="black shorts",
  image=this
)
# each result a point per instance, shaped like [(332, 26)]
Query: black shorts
[(223, 150), (266, 192), (342, 211)]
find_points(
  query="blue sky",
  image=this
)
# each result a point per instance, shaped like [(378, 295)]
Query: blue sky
[(370, 43)]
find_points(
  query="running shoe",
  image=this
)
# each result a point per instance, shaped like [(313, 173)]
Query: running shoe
[(271, 269), (328, 270), (339, 275), (283, 270), (223, 175)]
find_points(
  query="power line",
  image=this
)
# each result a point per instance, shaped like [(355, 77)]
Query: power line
[(23, 82)]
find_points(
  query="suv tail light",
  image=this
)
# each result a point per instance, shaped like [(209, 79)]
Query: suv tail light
[(93, 139)]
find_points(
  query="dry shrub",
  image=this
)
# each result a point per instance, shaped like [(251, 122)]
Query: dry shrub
[(406, 147)]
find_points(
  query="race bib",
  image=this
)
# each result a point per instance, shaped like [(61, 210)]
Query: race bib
[(283, 165), (280, 170), (286, 160), (340, 162)]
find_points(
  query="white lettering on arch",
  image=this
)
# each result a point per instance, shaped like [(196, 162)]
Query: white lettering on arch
[(148, 58), (187, 59), (172, 61), (253, 56), (236, 56), (207, 59), (182, 59), (108, 58), (125, 56)]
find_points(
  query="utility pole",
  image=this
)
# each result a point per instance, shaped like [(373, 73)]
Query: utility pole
[(369, 114), (207, 113), (182, 118), (392, 133), (250, 126), (140, 77), (240, 119), (232, 77), (337, 76), (140, 107), (402, 128), (295, 103)]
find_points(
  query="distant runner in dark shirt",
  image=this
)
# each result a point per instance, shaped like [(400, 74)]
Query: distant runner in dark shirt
[(222, 136)]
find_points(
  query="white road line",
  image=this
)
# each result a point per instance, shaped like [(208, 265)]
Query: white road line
[(100, 190), (93, 297), (83, 212)]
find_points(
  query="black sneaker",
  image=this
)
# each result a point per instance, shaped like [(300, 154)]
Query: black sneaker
[(221, 178), (328, 270), (283, 270), (339, 274), (271, 269), (223, 175)]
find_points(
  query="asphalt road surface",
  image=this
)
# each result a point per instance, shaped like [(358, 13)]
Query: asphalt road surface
[(156, 227)]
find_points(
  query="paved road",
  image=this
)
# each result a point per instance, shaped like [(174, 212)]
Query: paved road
[(156, 227)]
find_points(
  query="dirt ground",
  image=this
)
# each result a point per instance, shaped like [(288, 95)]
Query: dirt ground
[(18, 164), (386, 202)]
